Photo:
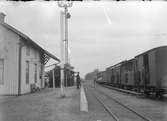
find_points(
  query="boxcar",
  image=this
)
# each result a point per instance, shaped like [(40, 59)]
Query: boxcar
[(128, 70), (117, 75), (109, 75), (152, 70), (104, 76), (113, 74), (101, 77)]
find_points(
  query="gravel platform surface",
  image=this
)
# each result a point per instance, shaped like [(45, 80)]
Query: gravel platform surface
[(47, 105)]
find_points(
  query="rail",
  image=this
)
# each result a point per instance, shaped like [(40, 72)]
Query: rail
[(107, 109), (118, 102)]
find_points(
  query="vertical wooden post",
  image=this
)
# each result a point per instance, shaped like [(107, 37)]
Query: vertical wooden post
[(53, 74)]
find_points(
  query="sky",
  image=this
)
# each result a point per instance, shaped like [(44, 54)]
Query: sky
[(101, 34)]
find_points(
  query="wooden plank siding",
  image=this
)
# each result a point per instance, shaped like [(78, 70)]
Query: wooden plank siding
[(9, 52)]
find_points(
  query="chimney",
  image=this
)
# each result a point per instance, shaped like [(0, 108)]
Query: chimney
[(2, 17)]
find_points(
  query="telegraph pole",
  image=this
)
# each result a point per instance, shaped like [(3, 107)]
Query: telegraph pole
[(64, 16), (62, 53)]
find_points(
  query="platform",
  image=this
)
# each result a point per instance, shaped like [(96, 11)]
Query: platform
[(83, 100)]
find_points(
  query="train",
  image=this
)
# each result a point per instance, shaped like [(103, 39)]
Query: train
[(145, 73)]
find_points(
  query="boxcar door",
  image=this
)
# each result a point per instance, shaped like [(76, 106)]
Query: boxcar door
[(146, 69)]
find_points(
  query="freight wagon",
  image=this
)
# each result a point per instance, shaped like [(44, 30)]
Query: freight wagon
[(101, 77), (146, 73), (117, 75), (109, 73), (152, 70), (128, 71), (113, 75)]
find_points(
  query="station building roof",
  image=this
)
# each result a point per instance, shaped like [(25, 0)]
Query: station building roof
[(46, 55)]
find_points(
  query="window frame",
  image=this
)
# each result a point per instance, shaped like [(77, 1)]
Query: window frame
[(2, 81), (27, 72), (35, 73), (35, 54), (28, 50)]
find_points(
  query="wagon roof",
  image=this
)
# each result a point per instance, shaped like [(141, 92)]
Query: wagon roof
[(101, 71), (128, 61), (156, 48), (118, 64), (29, 40)]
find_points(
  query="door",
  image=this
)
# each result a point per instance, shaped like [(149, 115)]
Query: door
[(146, 69)]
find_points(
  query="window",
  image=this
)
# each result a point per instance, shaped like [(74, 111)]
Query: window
[(1, 71), (35, 55), (27, 50), (27, 72), (35, 76)]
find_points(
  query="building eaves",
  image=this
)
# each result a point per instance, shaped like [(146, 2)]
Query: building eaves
[(29, 40)]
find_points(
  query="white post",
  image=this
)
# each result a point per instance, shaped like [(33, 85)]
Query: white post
[(66, 35), (64, 38), (53, 74), (66, 42), (62, 53)]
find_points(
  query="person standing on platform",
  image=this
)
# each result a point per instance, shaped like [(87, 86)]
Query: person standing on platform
[(78, 81)]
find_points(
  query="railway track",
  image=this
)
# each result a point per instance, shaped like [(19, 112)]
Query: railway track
[(164, 99), (122, 90), (116, 109)]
